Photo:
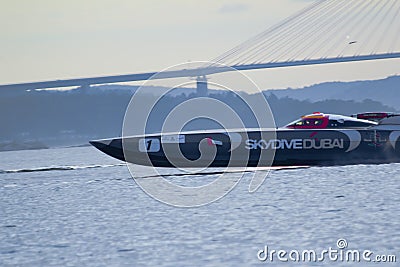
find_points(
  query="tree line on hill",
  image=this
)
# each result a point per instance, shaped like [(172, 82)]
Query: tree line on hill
[(64, 118)]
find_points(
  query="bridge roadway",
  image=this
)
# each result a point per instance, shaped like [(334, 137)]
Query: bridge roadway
[(188, 72)]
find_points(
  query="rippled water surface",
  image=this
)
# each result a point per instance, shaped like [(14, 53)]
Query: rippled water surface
[(78, 207)]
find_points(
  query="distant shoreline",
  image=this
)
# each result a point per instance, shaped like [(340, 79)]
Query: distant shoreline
[(32, 145), (23, 145)]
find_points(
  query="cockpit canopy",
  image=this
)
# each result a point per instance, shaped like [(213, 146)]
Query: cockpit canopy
[(319, 120)]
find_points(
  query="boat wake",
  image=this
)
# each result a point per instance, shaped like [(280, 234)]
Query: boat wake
[(215, 171), (223, 170), (60, 168)]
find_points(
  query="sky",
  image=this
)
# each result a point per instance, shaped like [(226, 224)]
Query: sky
[(47, 39)]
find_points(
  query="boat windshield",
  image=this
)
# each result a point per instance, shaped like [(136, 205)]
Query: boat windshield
[(309, 123)]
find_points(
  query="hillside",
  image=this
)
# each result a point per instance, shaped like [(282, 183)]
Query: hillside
[(55, 118), (386, 91)]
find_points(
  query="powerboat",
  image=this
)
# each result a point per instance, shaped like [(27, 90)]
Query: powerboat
[(316, 139)]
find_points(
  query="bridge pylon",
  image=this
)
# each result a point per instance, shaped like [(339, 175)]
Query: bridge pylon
[(201, 86)]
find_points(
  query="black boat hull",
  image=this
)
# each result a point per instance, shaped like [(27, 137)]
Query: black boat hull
[(281, 147)]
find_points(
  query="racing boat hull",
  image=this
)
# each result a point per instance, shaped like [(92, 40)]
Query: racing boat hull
[(281, 147)]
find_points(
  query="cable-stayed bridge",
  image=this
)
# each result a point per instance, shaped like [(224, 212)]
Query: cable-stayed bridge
[(327, 31)]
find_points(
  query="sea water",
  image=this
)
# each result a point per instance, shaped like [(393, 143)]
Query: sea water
[(79, 207)]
